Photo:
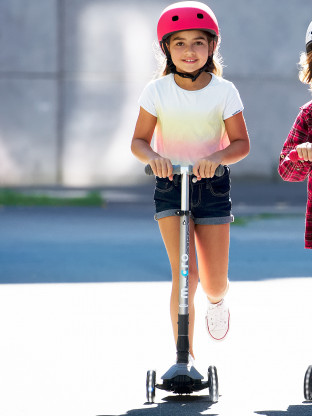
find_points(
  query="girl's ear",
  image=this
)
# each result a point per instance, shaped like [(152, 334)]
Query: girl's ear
[(168, 44), (164, 44), (212, 46)]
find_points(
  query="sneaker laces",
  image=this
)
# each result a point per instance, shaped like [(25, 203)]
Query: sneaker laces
[(217, 316)]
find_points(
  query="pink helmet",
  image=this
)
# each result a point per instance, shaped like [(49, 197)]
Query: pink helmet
[(186, 15)]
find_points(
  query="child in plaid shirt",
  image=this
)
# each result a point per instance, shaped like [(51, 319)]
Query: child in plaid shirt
[(300, 140)]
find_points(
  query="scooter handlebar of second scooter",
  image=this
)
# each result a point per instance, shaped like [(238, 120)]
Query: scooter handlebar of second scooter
[(177, 170)]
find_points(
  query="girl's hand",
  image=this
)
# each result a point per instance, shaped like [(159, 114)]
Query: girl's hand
[(206, 167), (304, 151), (162, 167)]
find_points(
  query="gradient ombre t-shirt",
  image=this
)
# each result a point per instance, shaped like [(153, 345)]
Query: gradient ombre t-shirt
[(190, 124)]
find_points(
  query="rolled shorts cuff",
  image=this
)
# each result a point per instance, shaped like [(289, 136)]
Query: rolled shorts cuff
[(167, 213), (208, 220), (215, 220)]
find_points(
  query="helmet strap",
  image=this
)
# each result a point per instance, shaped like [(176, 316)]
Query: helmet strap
[(173, 68)]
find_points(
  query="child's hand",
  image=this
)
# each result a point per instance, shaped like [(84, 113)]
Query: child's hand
[(304, 151), (162, 167), (205, 168)]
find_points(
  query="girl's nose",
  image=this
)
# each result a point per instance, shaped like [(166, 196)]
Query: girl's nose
[(190, 49)]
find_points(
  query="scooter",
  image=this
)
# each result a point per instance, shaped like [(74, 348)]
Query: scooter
[(307, 385), (182, 377)]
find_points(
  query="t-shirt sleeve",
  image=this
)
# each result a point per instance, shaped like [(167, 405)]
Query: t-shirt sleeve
[(147, 99), (233, 103)]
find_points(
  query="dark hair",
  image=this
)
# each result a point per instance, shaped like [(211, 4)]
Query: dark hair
[(305, 73)]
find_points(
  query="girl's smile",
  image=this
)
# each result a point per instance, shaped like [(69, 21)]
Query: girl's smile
[(190, 61)]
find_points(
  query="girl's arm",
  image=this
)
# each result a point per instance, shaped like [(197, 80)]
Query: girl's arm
[(297, 139), (141, 145), (238, 149)]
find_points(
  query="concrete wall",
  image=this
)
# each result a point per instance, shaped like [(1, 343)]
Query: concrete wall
[(71, 72)]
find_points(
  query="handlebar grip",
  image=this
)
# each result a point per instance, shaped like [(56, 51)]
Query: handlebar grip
[(293, 156), (148, 170), (220, 170), (176, 170)]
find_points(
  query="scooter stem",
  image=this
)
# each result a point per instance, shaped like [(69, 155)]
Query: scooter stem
[(183, 316)]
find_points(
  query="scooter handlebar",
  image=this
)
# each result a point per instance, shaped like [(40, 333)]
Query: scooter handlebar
[(176, 170)]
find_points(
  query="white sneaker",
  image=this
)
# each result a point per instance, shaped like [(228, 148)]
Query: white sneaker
[(218, 320)]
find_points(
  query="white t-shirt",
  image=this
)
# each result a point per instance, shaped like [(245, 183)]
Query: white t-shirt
[(190, 124)]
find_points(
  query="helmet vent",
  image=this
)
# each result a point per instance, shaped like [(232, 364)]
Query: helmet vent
[(200, 15), (175, 18)]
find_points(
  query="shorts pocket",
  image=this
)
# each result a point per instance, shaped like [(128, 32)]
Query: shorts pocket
[(164, 185), (220, 186)]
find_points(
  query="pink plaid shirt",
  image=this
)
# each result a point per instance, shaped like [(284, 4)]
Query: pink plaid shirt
[(300, 132)]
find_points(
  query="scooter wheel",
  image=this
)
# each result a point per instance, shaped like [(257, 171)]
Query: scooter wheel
[(307, 385), (150, 386), (213, 384)]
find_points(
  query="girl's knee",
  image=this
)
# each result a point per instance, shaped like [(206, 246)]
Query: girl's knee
[(216, 290)]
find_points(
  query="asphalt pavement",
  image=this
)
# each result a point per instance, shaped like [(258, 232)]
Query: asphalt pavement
[(84, 303)]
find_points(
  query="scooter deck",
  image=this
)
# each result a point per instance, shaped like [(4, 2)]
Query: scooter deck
[(183, 385), (182, 379)]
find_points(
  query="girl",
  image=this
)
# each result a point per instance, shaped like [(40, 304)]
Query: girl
[(197, 119), (300, 140)]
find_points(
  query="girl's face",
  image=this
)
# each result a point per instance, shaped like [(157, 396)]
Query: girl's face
[(190, 49)]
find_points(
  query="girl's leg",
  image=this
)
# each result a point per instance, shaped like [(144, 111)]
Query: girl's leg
[(212, 246), (212, 243), (170, 231)]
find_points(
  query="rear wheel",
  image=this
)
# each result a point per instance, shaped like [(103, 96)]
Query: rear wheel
[(150, 386), (307, 385), (213, 384)]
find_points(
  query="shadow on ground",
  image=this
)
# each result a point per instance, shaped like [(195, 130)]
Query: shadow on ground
[(293, 410), (174, 406)]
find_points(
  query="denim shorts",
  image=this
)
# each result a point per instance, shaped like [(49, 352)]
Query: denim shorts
[(210, 201)]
